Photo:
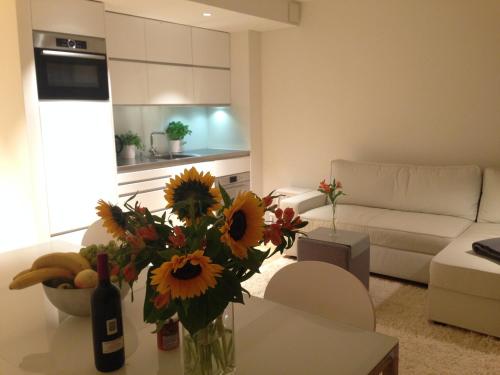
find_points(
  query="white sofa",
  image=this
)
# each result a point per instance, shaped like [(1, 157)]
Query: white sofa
[(422, 221)]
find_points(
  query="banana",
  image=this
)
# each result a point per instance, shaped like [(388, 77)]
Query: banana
[(21, 273), (71, 261), (39, 275)]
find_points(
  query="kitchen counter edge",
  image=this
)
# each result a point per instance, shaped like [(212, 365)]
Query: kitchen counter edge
[(201, 156)]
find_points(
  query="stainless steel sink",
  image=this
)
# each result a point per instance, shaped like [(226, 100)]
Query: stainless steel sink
[(175, 156)]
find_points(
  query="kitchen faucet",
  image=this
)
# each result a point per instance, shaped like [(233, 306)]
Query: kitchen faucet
[(152, 150)]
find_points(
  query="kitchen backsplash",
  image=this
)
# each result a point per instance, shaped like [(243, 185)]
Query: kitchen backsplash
[(212, 127)]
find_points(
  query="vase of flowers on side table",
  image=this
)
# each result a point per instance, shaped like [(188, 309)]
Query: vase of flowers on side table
[(197, 267), (333, 191)]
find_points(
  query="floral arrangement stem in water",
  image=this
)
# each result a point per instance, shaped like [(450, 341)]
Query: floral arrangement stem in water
[(333, 191)]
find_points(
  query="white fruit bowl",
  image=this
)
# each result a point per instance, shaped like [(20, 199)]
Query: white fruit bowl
[(75, 301)]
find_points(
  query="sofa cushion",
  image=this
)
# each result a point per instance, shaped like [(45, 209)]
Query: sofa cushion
[(411, 231), (452, 190), (458, 268), (489, 210)]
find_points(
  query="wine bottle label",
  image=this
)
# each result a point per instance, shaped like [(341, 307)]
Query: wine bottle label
[(112, 345), (111, 327)]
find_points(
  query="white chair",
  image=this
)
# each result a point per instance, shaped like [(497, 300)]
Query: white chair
[(96, 234), (323, 289)]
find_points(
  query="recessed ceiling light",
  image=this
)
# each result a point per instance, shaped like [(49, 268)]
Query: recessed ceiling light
[(207, 14)]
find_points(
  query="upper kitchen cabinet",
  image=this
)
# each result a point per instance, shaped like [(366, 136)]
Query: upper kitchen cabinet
[(211, 48), (170, 84), (212, 86), (129, 82), (168, 42), (71, 17), (125, 36)]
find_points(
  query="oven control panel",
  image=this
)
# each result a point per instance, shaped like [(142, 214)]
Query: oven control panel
[(71, 43)]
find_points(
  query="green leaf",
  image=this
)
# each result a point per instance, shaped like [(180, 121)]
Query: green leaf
[(225, 196)]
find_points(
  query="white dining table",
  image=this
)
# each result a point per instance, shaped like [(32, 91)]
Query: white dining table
[(35, 338)]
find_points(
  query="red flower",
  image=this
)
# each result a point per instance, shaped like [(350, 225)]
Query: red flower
[(115, 270), (288, 214), (177, 238), (278, 213), (324, 187), (338, 185), (161, 300), (130, 273), (267, 200), (148, 233), (136, 242), (273, 233)]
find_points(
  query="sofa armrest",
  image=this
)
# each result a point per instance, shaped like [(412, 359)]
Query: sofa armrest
[(304, 202)]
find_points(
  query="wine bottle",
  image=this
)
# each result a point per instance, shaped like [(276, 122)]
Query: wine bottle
[(107, 326)]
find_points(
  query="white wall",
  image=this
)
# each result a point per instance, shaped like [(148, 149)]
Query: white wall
[(393, 81), (18, 220)]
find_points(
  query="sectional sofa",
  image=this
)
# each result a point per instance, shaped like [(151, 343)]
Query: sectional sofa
[(422, 221)]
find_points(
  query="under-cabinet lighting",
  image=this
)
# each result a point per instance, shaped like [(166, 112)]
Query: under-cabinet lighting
[(207, 14)]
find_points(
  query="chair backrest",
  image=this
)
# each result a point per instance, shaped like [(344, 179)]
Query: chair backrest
[(325, 290), (96, 234)]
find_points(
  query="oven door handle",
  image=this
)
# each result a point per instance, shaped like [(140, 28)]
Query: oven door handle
[(48, 52)]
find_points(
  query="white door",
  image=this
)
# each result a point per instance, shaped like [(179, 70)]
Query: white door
[(212, 86), (211, 48), (125, 36), (79, 159), (129, 82), (170, 84), (168, 42)]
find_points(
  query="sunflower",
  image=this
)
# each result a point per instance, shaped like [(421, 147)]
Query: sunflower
[(114, 220), (186, 276), (195, 187), (244, 225)]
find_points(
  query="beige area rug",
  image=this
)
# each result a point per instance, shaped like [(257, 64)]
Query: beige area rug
[(424, 347)]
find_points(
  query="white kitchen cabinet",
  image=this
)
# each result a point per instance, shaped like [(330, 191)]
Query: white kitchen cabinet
[(170, 84), (80, 17), (168, 42), (211, 48), (79, 161), (149, 184), (129, 82), (125, 36), (212, 86)]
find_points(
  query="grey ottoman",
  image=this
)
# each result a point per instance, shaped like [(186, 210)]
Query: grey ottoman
[(346, 249)]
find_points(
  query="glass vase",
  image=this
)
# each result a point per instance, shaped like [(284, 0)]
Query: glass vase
[(334, 227), (210, 351)]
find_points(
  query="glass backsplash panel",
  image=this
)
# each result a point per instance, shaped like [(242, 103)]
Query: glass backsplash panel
[(212, 127)]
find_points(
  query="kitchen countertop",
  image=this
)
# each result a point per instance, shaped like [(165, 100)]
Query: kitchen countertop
[(200, 155)]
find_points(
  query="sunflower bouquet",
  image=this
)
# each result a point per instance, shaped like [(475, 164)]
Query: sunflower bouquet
[(198, 256)]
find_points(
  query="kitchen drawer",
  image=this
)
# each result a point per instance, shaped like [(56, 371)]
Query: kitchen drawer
[(139, 187), (153, 200)]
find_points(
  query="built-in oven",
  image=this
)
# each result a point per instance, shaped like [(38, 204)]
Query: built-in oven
[(70, 67)]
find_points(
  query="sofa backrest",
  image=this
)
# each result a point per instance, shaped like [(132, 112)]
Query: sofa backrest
[(451, 190), (489, 209)]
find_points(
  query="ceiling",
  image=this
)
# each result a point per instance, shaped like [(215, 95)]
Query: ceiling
[(191, 13)]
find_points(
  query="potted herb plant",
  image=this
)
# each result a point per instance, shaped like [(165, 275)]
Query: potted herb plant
[(131, 142), (176, 131)]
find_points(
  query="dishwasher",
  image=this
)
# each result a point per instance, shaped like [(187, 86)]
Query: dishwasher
[(234, 183)]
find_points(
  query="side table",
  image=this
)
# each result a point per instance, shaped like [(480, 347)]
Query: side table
[(346, 249)]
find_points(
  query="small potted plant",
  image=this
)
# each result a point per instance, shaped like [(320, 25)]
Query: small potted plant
[(131, 142), (176, 131)]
